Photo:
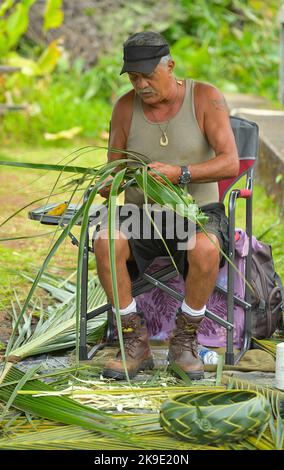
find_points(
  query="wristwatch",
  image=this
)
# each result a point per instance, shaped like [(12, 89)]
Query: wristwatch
[(185, 176)]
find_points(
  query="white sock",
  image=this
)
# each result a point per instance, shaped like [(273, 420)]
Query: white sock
[(190, 311), (131, 308)]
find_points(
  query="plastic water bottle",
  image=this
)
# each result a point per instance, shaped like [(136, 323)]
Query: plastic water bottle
[(207, 356)]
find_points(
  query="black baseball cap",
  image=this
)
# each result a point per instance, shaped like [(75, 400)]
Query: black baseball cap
[(143, 52)]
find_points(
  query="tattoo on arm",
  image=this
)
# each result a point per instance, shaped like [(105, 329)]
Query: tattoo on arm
[(221, 104)]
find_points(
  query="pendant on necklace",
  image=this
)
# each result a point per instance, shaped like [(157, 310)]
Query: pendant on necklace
[(164, 140)]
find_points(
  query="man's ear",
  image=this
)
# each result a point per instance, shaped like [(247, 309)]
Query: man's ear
[(171, 66)]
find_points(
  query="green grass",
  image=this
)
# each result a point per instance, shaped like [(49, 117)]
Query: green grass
[(18, 187)]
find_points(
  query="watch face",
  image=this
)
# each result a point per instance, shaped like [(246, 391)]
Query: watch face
[(185, 178)]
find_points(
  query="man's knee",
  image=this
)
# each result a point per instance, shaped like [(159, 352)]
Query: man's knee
[(206, 254)]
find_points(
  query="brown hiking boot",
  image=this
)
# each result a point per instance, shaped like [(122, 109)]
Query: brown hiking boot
[(183, 346), (137, 349)]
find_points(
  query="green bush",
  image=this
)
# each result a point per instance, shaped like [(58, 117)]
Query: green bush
[(68, 98), (57, 104), (231, 43)]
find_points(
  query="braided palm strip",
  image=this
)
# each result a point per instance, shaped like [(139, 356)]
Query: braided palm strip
[(215, 417)]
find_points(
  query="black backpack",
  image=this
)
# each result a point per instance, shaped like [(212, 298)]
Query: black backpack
[(268, 294)]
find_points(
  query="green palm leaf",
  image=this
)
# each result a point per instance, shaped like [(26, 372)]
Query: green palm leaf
[(49, 167), (145, 430), (268, 345), (59, 409), (111, 227), (56, 245), (56, 328)]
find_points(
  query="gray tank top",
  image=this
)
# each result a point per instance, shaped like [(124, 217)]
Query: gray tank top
[(187, 145)]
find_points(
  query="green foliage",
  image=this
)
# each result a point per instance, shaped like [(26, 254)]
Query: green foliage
[(55, 329), (233, 44), (13, 26), (14, 20), (5, 6), (55, 103), (103, 80), (68, 411), (68, 98), (53, 15)]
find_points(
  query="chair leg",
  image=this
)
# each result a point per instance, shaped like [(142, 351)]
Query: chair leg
[(110, 327), (109, 340), (229, 355), (247, 327), (248, 323)]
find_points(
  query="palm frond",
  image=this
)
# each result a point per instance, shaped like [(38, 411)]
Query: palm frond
[(275, 397), (143, 427), (111, 219), (74, 437), (59, 409), (267, 345), (56, 328)]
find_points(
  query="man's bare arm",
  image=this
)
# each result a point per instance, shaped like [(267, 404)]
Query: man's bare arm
[(119, 128), (213, 117)]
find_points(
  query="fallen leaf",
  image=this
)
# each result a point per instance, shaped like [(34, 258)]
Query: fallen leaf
[(66, 134)]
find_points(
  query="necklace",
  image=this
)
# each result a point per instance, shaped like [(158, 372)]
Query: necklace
[(164, 138)]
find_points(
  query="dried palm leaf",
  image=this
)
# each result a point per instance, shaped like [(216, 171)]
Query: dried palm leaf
[(56, 328), (59, 409), (268, 345)]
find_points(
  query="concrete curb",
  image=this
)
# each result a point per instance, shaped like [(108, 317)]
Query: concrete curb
[(270, 168)]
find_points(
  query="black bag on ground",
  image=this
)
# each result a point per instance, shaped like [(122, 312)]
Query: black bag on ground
[(268, 296)]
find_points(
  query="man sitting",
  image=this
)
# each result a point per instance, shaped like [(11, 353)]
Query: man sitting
[(183, 127)]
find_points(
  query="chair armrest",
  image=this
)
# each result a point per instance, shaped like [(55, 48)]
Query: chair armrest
[(245, 193)]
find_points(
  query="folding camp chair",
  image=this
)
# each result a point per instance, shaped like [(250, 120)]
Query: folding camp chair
[(246, 136)]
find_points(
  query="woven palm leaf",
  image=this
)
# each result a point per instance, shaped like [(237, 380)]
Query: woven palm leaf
[(215, 417)]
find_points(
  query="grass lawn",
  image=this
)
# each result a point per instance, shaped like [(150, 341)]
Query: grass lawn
[(19, 187)]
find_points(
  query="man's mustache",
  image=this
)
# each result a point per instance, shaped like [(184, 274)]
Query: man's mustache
[(145, 90)]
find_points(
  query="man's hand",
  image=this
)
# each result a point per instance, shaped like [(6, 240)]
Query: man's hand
[(104, 192), (172, 172)]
